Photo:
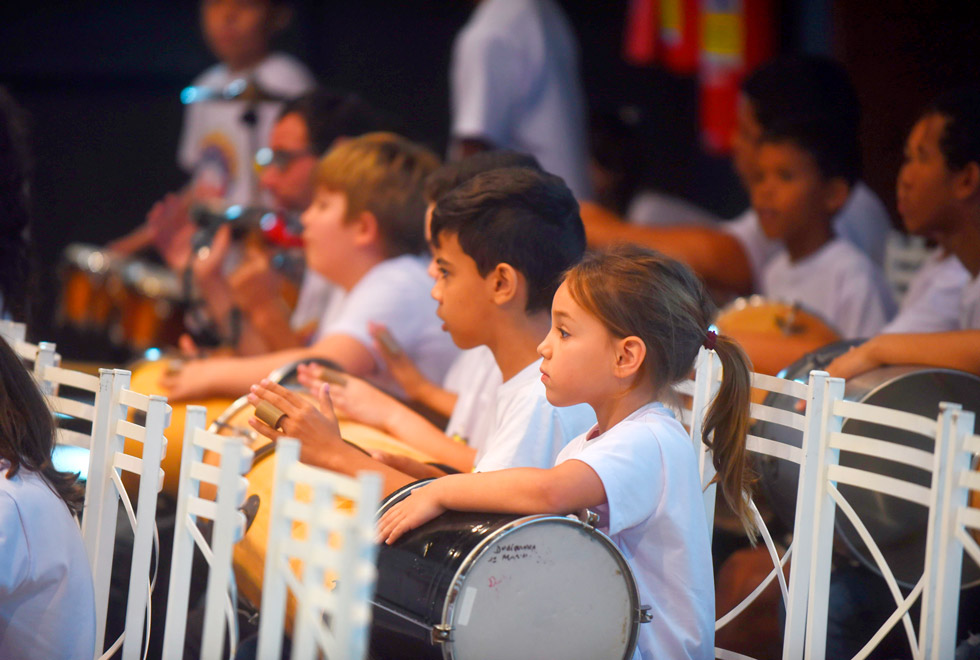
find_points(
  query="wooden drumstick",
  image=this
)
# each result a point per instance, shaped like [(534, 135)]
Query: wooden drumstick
[(388, 341), (269, 414), (333, 376)]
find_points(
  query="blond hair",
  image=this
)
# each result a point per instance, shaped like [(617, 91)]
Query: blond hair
[(383, 174)]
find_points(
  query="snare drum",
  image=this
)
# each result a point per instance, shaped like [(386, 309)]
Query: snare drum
[(475, 585), (774, 334)]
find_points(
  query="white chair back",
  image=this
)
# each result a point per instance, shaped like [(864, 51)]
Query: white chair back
[(338, 546), (806, 426), (12, 331), (105, 489), (235, 460), (826, 500), (953, 531)]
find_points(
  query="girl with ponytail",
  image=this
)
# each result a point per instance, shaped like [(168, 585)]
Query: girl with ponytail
[(627, 324)]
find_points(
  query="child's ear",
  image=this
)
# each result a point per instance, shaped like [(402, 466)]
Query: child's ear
[(367, 230), (630, 354), (966, 182), (504, 282), (836, 194)]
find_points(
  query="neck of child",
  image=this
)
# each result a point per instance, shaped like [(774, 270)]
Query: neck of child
[(611, 411), (356, 266), (246, 62), (807, 241), (515, 340), (964, 242)]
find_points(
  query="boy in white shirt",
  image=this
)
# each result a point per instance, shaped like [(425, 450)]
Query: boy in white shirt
[(363, 232), (802, 178), (500, 242)]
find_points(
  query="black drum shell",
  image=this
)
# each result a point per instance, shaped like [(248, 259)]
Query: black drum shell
[(899, 527)]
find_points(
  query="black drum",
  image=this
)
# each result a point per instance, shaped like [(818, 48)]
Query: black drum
[(898, 527), (481, 585)]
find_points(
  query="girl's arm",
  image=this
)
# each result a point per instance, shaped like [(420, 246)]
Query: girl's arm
[(565, 488)]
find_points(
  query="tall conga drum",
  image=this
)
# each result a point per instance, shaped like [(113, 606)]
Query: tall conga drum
[(898, 527)]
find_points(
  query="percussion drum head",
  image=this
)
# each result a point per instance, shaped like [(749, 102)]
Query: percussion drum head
[(897, 526)]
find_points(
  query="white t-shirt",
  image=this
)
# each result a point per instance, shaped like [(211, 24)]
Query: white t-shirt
[(970, 305), (315, 292), (47, 606), (660, 210), (216, 145), (654, 514), (394, 293), (838, 283), (515, 82), (932, 301), (527, 430), (863, 221), (475, 377)]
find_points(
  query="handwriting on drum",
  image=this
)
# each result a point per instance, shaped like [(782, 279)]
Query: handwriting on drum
[(512, 553)]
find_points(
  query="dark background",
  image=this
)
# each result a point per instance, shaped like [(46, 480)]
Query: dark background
[(101, 82)]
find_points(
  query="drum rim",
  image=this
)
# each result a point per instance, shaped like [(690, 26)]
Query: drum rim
[(758, 300)]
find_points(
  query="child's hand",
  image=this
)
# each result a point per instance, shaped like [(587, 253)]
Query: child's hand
[(421, 506), (191, 379), (317, 430), (356, 399), (400, 366)]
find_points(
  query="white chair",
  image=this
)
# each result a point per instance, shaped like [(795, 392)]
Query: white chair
[(950, 531), (805, 426), (228, 528), (337, 544), (12, 331), (822, 504), (104, 490)]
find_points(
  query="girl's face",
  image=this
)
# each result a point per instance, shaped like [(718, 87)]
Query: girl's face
[(579, 355)]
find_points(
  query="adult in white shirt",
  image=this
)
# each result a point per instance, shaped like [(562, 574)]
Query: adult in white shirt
[(515, 84)]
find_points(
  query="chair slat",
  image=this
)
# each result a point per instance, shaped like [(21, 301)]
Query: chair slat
[(768, 447), (880, 483), (789, 418), (891, 451), (886, 416)]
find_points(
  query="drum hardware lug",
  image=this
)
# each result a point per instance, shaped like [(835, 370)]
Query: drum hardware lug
[(643, 614), (442, 633), (589, 518)]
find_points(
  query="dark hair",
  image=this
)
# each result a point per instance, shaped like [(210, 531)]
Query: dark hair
[(803, 86), (452, 174), (27, 429), (634, 291), (15, 167), (518, 216), (960, 141), (833, 146), (330, 114)]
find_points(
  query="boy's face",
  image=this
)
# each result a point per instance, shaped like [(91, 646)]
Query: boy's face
[(328, 237), (789, 193), (464, 296), (745, 142), (578, 353), (289, 177), (925, 182), (238, 31)]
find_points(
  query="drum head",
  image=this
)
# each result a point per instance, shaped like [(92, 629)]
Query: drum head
[(898, 527), (543, 587)]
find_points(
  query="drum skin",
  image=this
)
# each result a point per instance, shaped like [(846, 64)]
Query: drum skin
[(773, 334), (146, 380), (897, 526), (527, 587), (249, 553)]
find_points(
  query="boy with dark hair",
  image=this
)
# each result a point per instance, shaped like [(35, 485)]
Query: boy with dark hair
[(938, 197), (803, 176), (501, 242), (363, 232)]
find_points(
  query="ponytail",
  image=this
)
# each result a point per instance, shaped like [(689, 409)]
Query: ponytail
[(725, 428)]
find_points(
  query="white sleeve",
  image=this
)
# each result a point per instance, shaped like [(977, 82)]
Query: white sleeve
[(528, 434), (932, 300), (630, 464), (864, 305), (486, 85), (14, 551), (759, 248)]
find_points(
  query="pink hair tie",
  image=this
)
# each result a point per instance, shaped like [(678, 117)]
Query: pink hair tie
[(709, 340)]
